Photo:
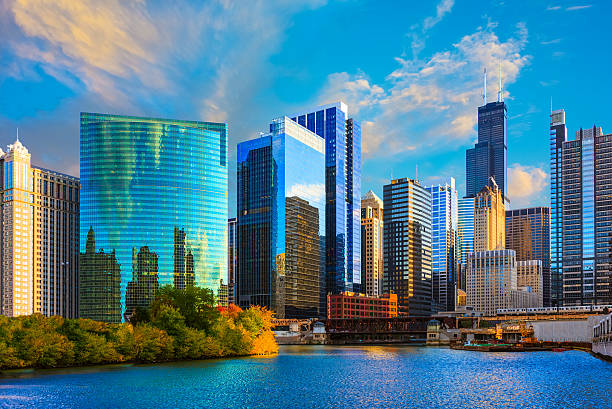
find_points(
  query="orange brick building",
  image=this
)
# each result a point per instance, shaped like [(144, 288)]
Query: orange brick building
[(353, 305)]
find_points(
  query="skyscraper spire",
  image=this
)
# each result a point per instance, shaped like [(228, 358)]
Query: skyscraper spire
[(500, 92), (17, 134), (484, 88)]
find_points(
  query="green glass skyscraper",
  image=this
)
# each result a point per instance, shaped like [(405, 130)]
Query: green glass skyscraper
[(144, 179)]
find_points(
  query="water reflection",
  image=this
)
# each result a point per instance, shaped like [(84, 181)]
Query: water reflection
[(329, 377)]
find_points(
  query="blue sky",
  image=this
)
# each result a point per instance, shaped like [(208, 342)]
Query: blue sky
[(411, 72)]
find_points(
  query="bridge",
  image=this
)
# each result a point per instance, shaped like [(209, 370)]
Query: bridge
[(402, 329)]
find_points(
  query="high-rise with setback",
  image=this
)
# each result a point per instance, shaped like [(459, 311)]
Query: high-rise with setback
[(372, 244), (39, 237)]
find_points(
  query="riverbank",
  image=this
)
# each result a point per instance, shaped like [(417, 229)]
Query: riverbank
[(179, 325)]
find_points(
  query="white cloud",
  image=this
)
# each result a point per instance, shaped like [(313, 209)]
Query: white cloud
[(525, 184), (443, 8), (314, 193), (424, 103), (574, 8)]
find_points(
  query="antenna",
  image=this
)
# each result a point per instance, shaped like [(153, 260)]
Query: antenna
[(17, 134), (416, 177), (484, 88), (500, 92), (551, 105)]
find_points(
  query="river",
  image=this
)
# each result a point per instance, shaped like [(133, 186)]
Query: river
[(328, 377)]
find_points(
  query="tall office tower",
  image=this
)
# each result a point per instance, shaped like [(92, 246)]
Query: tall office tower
[(39, 241), (343, 193), (492, 282), (143, 179), (489, 219), (558, 135), (488, 157), (445, 251), (100, 284), (529, 274), (465, 236), (372, 244), (407, 245), (232, 260), (528, 233), (586, 223), (281, 220)]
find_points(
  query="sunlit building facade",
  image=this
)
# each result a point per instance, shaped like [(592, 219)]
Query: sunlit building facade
[(529, 275), (342, 137), (445, 252), (407, 245), (281, 220), (39, 239), (372, 244), (489, 218), (155, 196), (528, 233)]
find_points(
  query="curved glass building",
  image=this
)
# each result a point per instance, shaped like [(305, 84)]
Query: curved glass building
[(154, 199)]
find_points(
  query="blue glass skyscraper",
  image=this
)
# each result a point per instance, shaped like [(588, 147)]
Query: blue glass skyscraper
[(465, 235), (445, 252), (558, 135), (281, 220), (342, 193), (154, 195)]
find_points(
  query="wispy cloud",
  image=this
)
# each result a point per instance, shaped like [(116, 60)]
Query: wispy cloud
[(419, 31), (526, 185), (425, 102), (574, 8), (569, 8), (443, 8), (555, 41)]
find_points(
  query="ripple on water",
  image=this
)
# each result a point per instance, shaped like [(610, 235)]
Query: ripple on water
[(329, 377)]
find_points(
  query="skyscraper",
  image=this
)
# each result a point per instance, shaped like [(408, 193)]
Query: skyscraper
[(528, 233), (144, 180), (372, 244), (281, 220), (407, 245), (488, 157), (343, 192), (529, 274), (558, 135), (445, 251), (489, 218), (466, 236), (232, 259), (39, 241), (586, 222)]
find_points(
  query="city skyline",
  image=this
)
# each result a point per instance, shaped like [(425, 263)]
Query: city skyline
[(50, 77)]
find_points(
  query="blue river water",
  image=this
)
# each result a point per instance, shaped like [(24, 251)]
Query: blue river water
[(328, 377)]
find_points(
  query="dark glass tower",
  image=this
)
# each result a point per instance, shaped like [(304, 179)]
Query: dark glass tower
[(342, 193), (488, 157), (281, 220), (407, 245)]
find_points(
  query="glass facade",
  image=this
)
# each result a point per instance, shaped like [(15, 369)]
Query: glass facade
[(281, 220), (465, 236), (581, 215), (488, 158), (407, 245), (444, 244), (343, 193), (558, 135), (528, 233), (154, 195)]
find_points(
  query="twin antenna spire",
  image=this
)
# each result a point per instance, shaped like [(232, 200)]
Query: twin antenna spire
[(500, 91)]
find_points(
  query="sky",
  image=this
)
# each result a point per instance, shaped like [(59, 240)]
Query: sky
[(410, 72)]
